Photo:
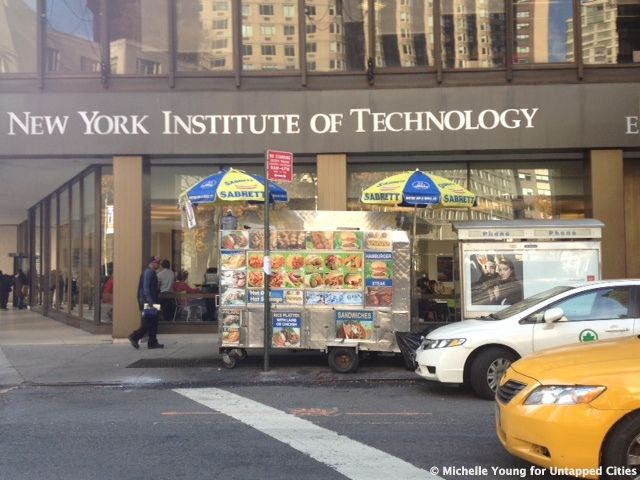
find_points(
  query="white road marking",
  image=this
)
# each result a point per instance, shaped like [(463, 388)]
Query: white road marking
[(352, 459)]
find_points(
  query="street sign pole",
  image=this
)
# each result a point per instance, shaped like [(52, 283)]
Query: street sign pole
[(267, 266)]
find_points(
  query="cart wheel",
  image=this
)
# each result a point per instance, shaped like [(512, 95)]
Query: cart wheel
[(343, 360), (228, 361), (242, 353)]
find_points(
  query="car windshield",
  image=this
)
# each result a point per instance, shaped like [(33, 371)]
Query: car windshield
[(529, 302)]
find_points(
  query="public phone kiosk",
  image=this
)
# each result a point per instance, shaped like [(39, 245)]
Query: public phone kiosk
[(501, 262)]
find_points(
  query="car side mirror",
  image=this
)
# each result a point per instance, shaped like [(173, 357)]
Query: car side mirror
[(553, 315)]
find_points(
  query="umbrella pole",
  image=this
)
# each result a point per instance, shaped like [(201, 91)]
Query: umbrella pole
[(412, 275)]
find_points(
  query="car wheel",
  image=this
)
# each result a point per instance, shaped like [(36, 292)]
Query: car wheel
[(343, 360), (621, 453), (487, 370)]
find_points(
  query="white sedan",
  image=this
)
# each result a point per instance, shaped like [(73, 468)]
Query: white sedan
[(477, 352)]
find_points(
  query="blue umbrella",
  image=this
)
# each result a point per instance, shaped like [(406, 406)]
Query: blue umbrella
[(232, 185)]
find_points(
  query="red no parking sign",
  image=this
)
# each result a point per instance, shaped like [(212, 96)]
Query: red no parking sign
[(280, 166)]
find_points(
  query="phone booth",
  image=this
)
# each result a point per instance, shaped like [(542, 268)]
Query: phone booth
[(500, 263)]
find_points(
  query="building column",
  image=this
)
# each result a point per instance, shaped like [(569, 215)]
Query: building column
[(128, 200), (332, 182), (632, 214), (607, 190)]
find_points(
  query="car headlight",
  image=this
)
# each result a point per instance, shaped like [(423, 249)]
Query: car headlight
[(429, 343), (564, 394)]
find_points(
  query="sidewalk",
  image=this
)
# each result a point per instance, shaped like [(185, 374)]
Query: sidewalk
[(36, 350)]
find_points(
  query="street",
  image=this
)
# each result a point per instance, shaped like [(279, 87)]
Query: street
[(361, 430)]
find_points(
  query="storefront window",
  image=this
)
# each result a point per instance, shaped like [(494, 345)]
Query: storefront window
[(204, 36), (18, 45), (106, 258), (473, 34), (270, 36), (54, 292), (64, 254), (138, 37), (36, 279), (88, 248), (73, 39), (610, 33), (76, 248), (531, 190), (195, 250), (541, 31)]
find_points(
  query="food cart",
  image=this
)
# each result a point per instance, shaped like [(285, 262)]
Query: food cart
[(339, 284)]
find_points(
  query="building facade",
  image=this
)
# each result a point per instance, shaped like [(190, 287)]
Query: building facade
[(533, 105)]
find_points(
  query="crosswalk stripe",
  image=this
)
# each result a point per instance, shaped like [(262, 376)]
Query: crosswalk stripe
[(352, 459)]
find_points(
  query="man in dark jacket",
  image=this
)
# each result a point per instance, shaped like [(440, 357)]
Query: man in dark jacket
[(148, 296), (6, 282)]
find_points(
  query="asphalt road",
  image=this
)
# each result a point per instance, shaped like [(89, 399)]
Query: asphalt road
[(360, 431)]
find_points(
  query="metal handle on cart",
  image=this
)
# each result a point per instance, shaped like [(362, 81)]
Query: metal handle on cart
[(216, 300)]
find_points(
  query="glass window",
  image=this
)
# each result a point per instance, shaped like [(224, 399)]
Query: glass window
[(73, 37), (138, 36), (197, 33), (464, 29), (37, 279), (610, 33), (275, 24), (76, 248), (54, 291), (401, 34), (64, 253), (327, 23), (106, 250), (18, 44), (602, 304), (503, 194), (522, 191), (547, 29), (88, 285)]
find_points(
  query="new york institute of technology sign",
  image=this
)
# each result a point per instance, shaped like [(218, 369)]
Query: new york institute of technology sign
[(444, 119)]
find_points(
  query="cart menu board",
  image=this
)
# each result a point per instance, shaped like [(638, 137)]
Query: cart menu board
[(313, 268), (286, 329), (231, 320)]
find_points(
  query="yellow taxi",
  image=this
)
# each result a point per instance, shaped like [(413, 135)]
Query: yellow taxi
[(574, 410)]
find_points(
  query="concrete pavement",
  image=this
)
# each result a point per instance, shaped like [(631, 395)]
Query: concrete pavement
[(36, 350)]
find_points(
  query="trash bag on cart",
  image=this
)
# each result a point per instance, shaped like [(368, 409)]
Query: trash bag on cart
[(408, 342)]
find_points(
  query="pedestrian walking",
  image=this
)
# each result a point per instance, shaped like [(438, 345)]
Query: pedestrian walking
[(148, 297)]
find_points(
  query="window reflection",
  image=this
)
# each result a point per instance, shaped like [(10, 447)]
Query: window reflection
[(269, 39), (541, 31), (76, 249), (18, 46), (336, 33), (504, 193), (610, 31), (138, 37), (73, 39), (473, 33), (404, 33), (204, 35), (54, 293)]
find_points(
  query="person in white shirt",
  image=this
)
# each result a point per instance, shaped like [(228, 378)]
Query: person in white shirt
[(166, 277)]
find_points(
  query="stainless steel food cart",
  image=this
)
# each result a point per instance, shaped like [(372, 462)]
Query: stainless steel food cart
[(339, 284)]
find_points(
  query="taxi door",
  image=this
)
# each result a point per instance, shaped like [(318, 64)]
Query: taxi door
[(596, 314)]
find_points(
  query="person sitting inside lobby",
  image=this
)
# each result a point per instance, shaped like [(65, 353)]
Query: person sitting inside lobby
[(186, 307), (181, 284)]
